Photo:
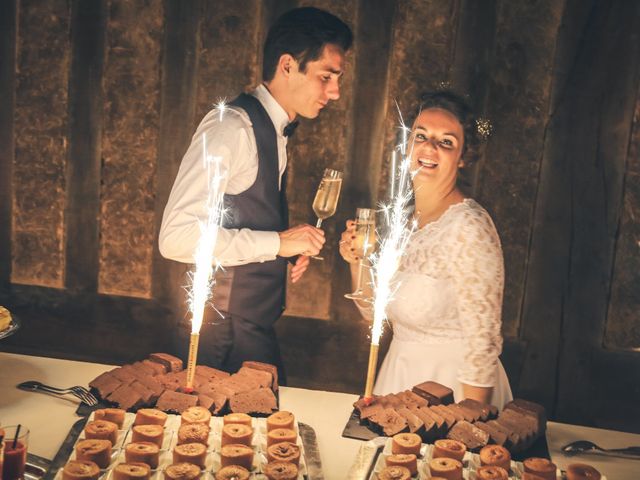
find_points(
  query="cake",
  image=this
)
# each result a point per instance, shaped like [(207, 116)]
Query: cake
[(150, 416), (236, 454), (236, 433), (281, 435), (281, 419), (195, 453), (175, 401), (467, 433), (409, 461), (284, 452), (260, 400), (406, 443), (491, 473), (115, 415), (540, 466), (446, 468), (582, 471), (95, 450), (495, 456), (5, 318), (389, 421), (182, 471), (193, 433), (196, 415), (434, 393), (446, 448), (131, 471), (267, 367), (102, 429), (394, 472), (169, 362), (80, 470), (238, 418), (280, 471), (142, 452), (232, 472), (148, 433)]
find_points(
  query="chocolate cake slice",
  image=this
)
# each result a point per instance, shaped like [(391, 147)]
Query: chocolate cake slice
[(482, 410), (495, 436), (411, 397), (140, 369), (104, 384), (146, 395), (264, 379), (513, 438), (431, 431), (468, 414), (210, 372), (267, 367), (389, 422), (152, 384), (126, 397), (439, 420), (530, 408), (123, 374), (261, 400), (434, 393), (175, 401), (413, 421), (443, 412), (171, 363), (471, 436), (158, 369)]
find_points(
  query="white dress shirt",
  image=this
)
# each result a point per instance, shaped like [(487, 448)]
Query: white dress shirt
[(232, 139)]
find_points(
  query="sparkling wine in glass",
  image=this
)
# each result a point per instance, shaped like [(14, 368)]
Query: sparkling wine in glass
[(326, 201), (364, 244)]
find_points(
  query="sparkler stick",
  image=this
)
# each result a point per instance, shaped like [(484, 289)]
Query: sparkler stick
[(385, 263), (203, 277)]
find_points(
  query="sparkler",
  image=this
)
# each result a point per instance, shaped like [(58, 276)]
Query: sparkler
[(202, 279), (392, 246)]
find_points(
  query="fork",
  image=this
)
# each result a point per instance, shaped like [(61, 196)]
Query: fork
[(77, 391)]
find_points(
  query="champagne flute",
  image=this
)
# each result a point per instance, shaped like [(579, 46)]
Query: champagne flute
[(364, 243), (327, 195)]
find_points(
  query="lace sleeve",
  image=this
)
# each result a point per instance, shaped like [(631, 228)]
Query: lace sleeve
[(477, 268)]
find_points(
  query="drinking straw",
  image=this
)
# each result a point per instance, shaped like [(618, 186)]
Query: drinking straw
[(15, 439)]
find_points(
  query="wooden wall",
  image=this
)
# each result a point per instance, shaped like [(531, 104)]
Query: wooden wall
[(99, 99)]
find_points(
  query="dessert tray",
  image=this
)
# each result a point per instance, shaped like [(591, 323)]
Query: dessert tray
[(371, 456), (310, 467), (13, 327)]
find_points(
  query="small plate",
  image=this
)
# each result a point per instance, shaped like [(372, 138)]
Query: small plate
[(13, 326)]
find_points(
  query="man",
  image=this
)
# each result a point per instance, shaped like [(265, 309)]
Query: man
[(302, 66)]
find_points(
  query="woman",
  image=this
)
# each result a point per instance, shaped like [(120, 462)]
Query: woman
[(446, 313)]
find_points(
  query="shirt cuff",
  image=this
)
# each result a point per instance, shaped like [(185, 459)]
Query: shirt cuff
[(267, 245)]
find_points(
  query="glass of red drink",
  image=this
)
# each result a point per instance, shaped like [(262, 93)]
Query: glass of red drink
[(15, 452)]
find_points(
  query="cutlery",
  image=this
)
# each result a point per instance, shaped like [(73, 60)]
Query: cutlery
[(583, 446), (77, 391)]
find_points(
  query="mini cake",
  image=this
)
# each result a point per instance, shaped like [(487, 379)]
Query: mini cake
[(236, 454), (284, 452), (80, 470), (241, 418), (281, 435), (148, 433), (195, 415), (102, 429), (236, 433), (150, 416), (95, 450), (406, 443), (193, 433), (5, 318), (449, 449), (281, 419), (582, 471), (280, 471), (491, 472), (446, 468), (195, 453), (496, 456), (394, 472), (131, 471), (182, 471), (409, 461), (115, 415), (142, 452), (232, 472), (540, 466)]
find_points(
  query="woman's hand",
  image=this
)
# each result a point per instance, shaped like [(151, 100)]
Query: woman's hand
[(346, 243)]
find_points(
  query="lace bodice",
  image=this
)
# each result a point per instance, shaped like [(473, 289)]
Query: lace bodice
[(450, 288)]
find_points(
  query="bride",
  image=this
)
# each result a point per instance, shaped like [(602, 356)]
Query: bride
[(446, 313)]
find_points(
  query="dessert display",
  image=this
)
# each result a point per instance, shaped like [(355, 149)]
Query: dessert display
[(80, 470), (159, 381)]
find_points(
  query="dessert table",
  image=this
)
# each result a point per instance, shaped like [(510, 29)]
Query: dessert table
[(50, 418)]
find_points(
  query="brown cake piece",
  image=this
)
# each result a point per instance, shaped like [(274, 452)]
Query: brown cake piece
[(205, 401), (370, 411), (525, 419), (152, 384), (105, 384), (265, 379), (513, 438), (123, 374), (446, 414), (391, 401), (434, 393), (147, 396), (115, 415), (430, 430), (267, 367), (483, 411), (467, 433), (389, 421), (210, 372), (495, 436), (518, 423), (138, 369), (415, 424), (175, 401), (261, 400), (530, 408), (470, 415), (412, 398), (158, 369), (171, 363), (80, 470), (241, 383), (440, 422), (125, 397)]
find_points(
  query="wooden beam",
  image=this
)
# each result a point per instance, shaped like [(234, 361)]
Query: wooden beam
[(88, 18)]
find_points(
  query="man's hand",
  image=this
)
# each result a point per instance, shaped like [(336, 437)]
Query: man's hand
[(301, 240), (347, 249), (302, 262)]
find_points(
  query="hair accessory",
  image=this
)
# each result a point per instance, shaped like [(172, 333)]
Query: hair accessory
[(484, 128)]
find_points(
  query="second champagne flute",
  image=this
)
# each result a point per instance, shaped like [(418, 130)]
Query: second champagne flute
[(364, 244), (327, 195)]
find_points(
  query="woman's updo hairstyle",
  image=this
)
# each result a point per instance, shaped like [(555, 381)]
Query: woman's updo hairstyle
[(456, 105)]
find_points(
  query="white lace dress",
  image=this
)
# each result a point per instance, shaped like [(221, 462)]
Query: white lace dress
[(446, 313)]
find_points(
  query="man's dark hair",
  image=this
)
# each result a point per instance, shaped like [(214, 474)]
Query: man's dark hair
[(303, 33)]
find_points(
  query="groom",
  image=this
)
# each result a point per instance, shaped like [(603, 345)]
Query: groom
[(302, 66)]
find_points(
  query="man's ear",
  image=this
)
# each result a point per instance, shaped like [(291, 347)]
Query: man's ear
[(286, 64)]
